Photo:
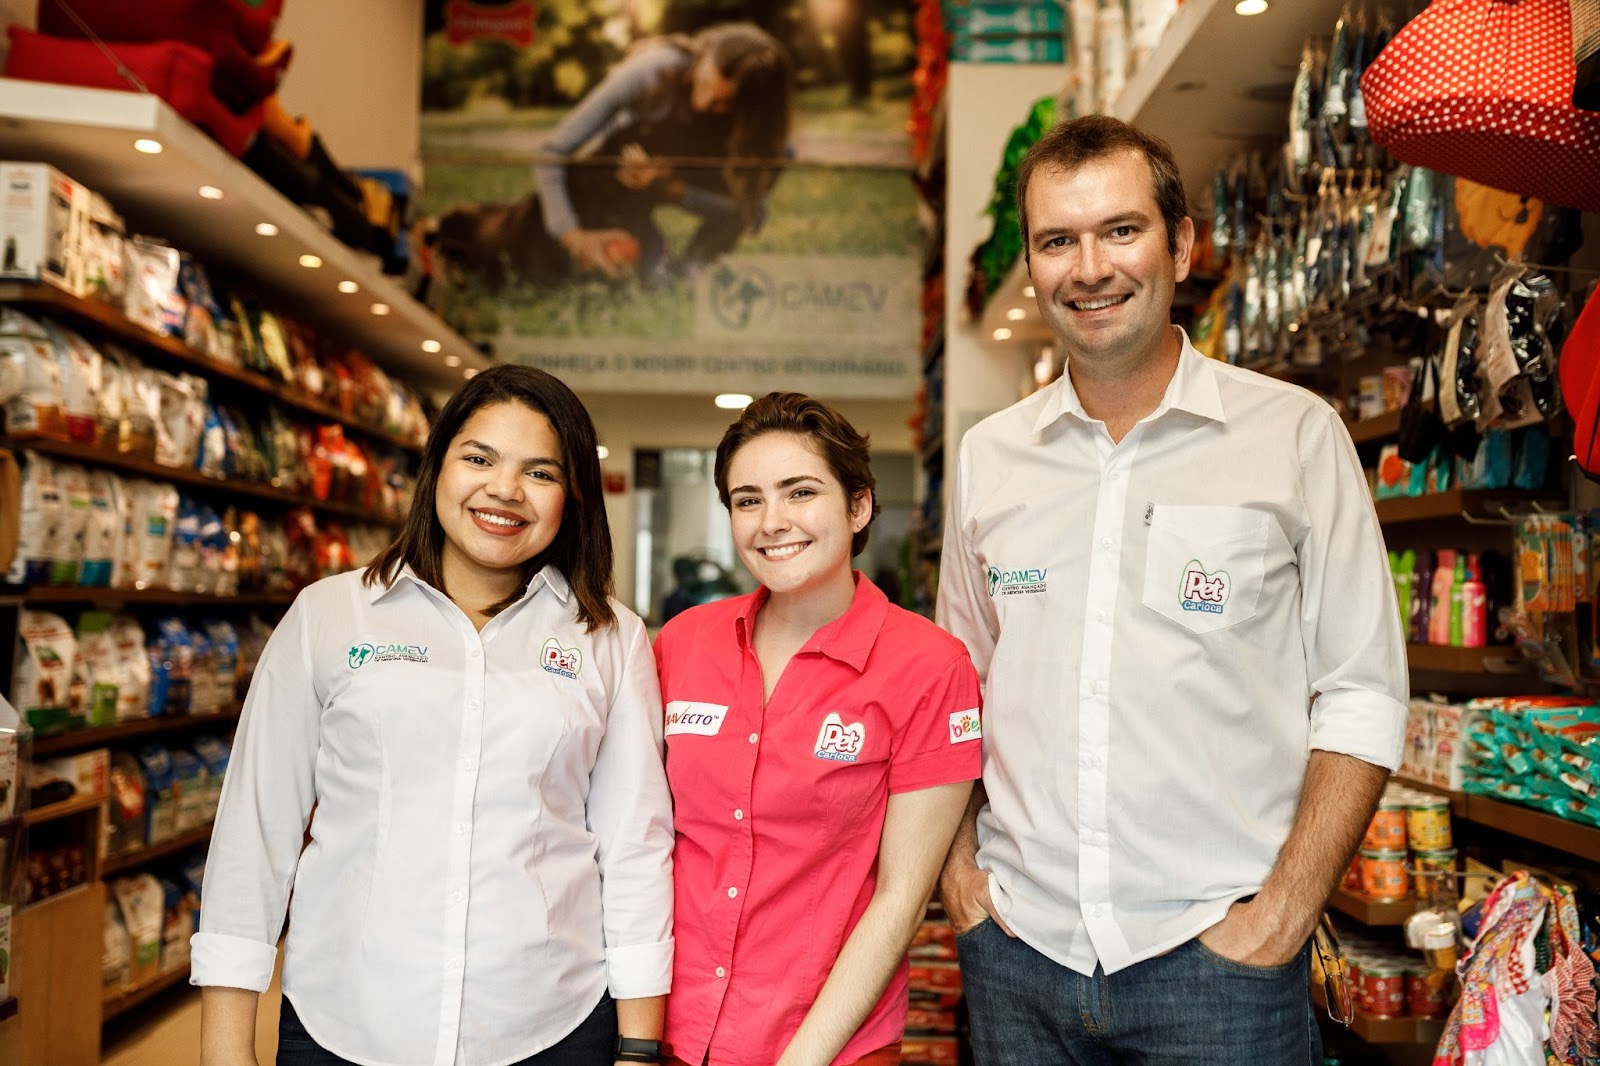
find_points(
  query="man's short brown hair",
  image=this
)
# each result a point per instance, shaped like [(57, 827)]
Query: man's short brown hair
[(1075, 142)]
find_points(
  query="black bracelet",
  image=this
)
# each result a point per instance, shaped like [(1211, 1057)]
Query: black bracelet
[(630, 1049)]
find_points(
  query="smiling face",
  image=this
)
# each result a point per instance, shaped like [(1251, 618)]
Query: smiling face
[(1099, 259), (500, 497), (792, 520)]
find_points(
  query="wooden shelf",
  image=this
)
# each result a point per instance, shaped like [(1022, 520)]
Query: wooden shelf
[(1424, 1031), (119, 1004), (146, 597), (84, 453), (107, 319), (65, 809), (99, 736), (1369, 430), (1499, 659), (1453, 504), (1370, 911), (116, 864), (1536, 826), (1458, 800)]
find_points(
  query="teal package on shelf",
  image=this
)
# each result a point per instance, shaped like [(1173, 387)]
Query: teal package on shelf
[(1003, 20), (1008, 49)]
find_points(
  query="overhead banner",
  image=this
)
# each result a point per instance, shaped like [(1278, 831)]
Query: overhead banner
[(697, 195)]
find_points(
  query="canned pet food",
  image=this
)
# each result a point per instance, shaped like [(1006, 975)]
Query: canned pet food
[(1427, 992), (1352, 874), (1428, 824), (1387, 830), (1383, 989), (1384, 876), (1430, 864)]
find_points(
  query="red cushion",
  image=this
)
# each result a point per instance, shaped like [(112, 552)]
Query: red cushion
[(178, 73)]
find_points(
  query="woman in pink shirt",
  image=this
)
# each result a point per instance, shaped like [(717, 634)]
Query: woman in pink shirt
[(821, 745)]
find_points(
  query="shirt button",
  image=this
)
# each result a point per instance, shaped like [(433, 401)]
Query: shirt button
[(466, 764), (472, 705), (738, 815), (732, 892), (1099, 616), (457, 896), (473, 653), (721, 972), (1096, 911), (1106, 543), (1116, 475), (461, 829), (753, 737)]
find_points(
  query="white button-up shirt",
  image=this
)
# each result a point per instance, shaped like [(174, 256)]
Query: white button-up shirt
[(492, 843), (1165, 627)]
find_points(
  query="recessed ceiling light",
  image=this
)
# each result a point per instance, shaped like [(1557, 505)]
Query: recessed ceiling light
[(732, 401), (349, 286), (311, 262), (1016, 314), (147, 146), (452, 360), (1250, 7), (432, 346), (1027, 292), (266, 229), (1002, 334), (470, 372), (380, 309), (210, 192), (603, 452)]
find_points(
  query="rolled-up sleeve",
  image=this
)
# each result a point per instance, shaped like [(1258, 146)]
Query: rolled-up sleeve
[(266, 804), (630, 814), (1349, 616)]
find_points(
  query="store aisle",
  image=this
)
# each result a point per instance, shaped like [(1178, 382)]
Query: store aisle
[(169, 1034)]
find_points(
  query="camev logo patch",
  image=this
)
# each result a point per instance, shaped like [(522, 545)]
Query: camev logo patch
[(1016, 582), (559, 660), (1202, 591), (362, 654), (840, 742)]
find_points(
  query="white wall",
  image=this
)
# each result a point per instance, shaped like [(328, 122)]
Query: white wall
[(626, 423)]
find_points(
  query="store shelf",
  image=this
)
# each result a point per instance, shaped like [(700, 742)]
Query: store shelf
[(99, 736), (89, 134), (1458, 800), (1454, 503), (1371, 430), (1195, 93), (1500, 659), (128, 1000), (1370, 911), (65, 809), (1395, 1031), (128, 464), (1525, 822), (57, 303), (144, 597), (190, 838)]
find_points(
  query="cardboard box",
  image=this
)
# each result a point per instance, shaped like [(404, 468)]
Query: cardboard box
[(89, 771), (44, 216)]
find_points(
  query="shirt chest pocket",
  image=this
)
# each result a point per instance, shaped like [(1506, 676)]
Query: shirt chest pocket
[(1204, 565)]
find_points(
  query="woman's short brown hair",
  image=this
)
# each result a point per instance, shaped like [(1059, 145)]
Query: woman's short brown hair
[(847, 452), (582, 548)]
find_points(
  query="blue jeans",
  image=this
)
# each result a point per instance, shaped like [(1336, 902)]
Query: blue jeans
[(592, 1043), (1189, 1007)]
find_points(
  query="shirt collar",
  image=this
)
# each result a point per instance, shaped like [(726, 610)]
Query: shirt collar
[(1193, 388), (550, 576), (848, 638)]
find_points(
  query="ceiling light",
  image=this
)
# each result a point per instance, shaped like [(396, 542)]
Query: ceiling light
[(210, 192), (1250, 7), (349, 286), (603, 452), (380, 309), (452, 360), (147, 146), (311, 262), (1002, 334), (432, 346), (266, 229), (733, 401), (1027, 292), (470, 372), (1016, 314)]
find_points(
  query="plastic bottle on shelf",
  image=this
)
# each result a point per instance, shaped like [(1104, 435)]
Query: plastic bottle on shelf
[(1458, 583), (1474, 606), (1439, 600)]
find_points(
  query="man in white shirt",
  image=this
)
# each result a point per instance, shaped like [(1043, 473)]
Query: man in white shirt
[(1171, 579)]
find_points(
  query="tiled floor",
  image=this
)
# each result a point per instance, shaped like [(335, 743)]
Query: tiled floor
[(166, 1032)]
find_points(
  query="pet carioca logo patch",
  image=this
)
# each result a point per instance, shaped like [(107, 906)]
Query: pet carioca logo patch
[(1202, 591), (839, 742), (559, 660)]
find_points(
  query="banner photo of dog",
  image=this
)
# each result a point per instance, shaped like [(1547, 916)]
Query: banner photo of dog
[(698, 193)]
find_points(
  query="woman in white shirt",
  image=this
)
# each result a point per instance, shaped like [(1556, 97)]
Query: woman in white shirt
[(478, 728)]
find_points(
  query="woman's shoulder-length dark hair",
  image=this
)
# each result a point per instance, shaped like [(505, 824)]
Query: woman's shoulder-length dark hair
[(582, 547)]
